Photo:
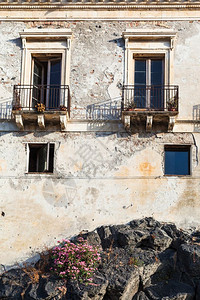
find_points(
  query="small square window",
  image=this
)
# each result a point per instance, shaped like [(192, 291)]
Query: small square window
[(177, 160), (40, 158)]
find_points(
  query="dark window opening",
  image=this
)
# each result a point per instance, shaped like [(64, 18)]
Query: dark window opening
[(177, 160), (46, 80), (148, 81), (41, 157)]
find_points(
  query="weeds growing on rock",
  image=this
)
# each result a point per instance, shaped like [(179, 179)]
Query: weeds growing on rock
[(40, 269), (135, 261)]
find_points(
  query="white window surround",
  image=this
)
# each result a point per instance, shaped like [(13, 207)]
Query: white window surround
[(149, 43), (28, 145), (43, 41)]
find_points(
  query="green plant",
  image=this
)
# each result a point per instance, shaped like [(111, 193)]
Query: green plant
[(17, 106), (75, 261), (135, 261), (131, 105), (172, 103)]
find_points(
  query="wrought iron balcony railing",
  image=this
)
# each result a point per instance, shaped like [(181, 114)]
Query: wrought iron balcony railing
[(41, 97), (150, 97)]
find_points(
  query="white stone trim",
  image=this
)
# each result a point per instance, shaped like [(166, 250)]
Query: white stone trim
[(152, 34), (150, 42), (40, 120), (41, 41), (63, 122), (19, 121), (171, 123), (46, 34), (149, 123), (145, 6)]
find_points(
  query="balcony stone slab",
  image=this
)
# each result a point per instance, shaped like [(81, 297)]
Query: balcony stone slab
[(23, 117), (138, 117)]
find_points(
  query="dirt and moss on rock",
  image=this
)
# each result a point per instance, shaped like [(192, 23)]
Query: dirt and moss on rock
[(143, 260)]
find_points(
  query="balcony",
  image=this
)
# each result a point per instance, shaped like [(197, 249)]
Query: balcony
[(150, 106), (41, 104)]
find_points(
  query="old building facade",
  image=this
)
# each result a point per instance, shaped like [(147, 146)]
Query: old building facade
[(100, 116)]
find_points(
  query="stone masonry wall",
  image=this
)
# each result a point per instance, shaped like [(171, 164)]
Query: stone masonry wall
[(97, 60)]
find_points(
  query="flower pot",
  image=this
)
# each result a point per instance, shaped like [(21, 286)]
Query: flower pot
[(140, 109)]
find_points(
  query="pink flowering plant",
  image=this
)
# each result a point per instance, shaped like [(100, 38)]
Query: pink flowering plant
[(75, 261)]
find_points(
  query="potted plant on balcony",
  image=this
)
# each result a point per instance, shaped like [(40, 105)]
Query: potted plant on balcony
[(131, 106), (40, 107), (17, 106), (172, 104), (63, 107)]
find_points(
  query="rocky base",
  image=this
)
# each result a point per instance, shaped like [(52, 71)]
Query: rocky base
[(140, 261)]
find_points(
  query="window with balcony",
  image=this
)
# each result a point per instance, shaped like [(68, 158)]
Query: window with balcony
[(177, 160), (44, 85), (149, 95), (148, 80)]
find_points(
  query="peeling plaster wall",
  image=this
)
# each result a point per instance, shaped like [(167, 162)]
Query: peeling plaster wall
[(102, 174), (97, 60), (10, 58), (98, 179)]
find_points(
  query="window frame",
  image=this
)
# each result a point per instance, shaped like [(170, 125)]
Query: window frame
[(148, 62), (151, 54), (43, 41), (27, 150), (148, 79), (149, 43), (48, 60), (187, 147)]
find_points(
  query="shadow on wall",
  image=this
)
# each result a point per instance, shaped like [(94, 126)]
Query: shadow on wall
[(120, 42), (17, 42), (196, 117), (106, 110), (6, 110)]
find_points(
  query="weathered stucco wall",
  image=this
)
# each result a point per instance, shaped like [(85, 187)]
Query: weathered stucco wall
[(98, 179), (102, 174), (97, 60)]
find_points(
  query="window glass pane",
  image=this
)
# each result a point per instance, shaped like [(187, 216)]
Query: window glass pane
[(157, 93), (140, 78), (140, 72), (156, 72), (156, 79), (55, 73), (37, 74), (156, 65), (140, 65), (177, 161), (42, 159), (55, 77)]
